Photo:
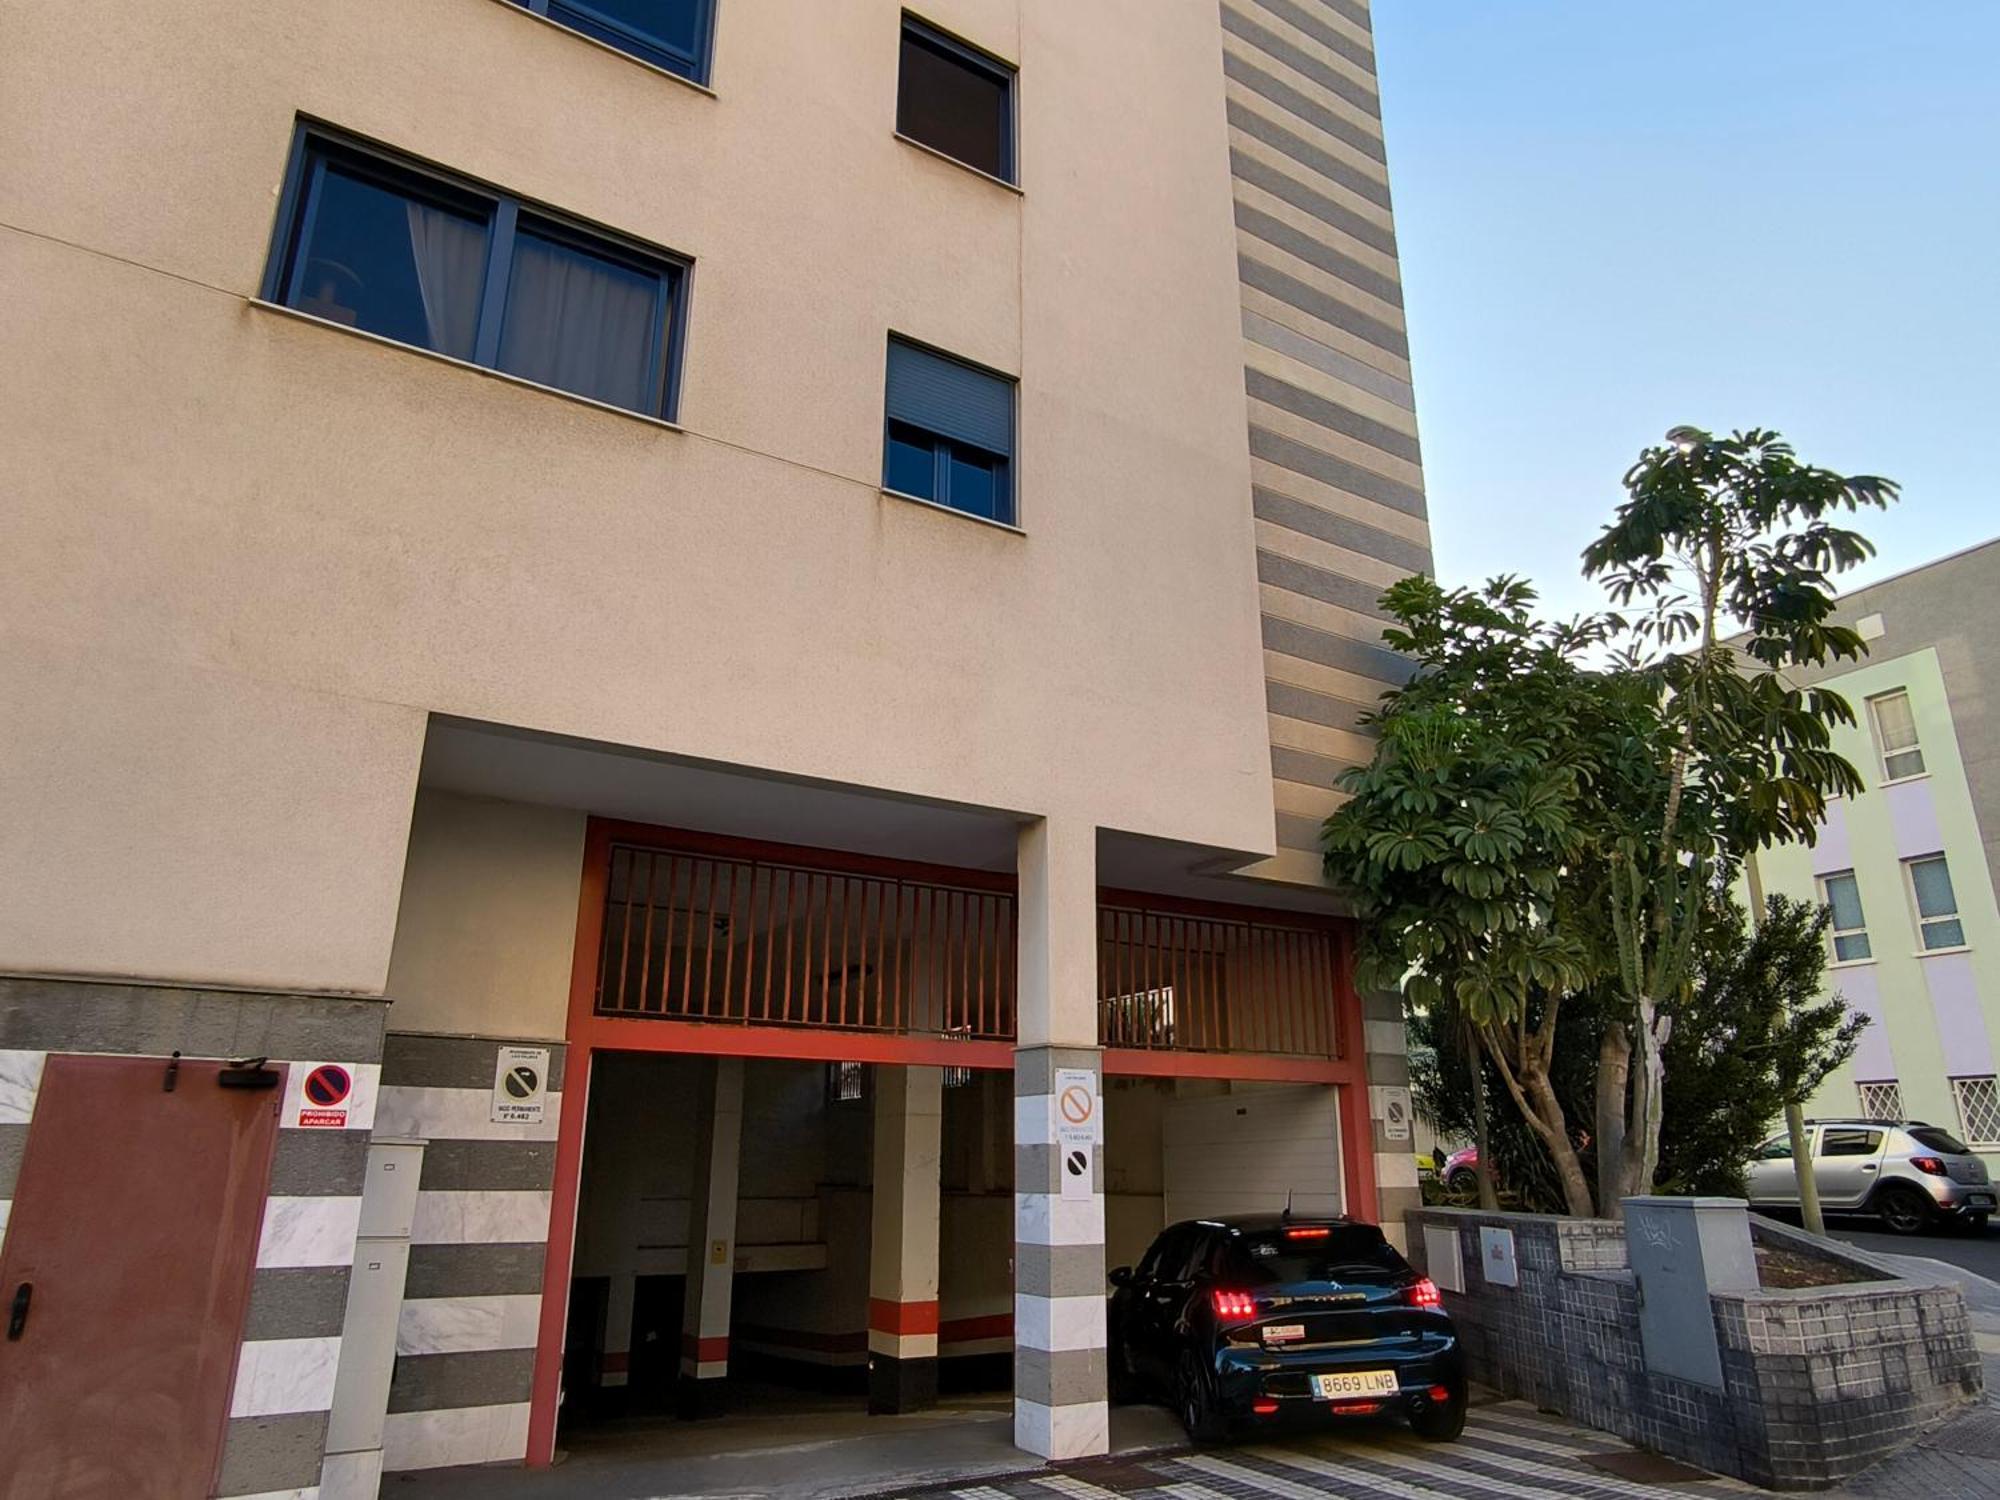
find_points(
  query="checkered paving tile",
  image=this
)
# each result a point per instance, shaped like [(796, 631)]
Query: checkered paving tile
[(1509, 1452)]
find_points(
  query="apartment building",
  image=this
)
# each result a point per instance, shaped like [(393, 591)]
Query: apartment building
[(1908, 866), (667, 671)]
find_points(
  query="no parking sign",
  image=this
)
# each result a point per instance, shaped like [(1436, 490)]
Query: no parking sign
[(323, 1098), (1076, 1130), (521, 1086)]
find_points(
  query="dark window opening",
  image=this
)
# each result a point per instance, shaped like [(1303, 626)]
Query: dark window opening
[(956, 100), (383, 245), (1348, 1252), (670, 34), (950, 433), (1933, 1139)]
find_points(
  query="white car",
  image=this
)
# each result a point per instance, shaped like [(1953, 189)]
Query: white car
[(1909, 1174)]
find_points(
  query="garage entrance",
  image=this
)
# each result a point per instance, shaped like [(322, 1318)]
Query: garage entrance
[(793, 1182), (792, 1162), (732, 1251)]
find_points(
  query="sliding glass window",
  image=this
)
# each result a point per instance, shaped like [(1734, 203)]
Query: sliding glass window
[(373, 241), (670, 34)]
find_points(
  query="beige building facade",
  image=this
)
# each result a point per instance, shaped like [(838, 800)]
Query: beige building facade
[(463, 576)]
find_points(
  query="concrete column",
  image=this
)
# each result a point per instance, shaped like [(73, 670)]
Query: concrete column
[(1385, 1064), (711, 1252), (903, 1249), (1060, 1405), (618, 1305)]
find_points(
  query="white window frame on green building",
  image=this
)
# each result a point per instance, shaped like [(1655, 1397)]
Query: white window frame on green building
[(1848, 932), (1934, 904), (1895, 724)]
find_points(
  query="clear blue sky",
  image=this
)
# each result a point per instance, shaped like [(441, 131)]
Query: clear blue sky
[(1618, 216)]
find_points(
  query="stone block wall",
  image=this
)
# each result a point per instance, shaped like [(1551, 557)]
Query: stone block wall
[(1817, 1383)]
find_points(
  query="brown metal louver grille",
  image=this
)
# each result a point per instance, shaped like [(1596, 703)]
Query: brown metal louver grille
[(749, 941), (1174, 982)]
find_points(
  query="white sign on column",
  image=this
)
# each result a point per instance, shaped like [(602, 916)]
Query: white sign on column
[(1079, 1128), (521, 1086)]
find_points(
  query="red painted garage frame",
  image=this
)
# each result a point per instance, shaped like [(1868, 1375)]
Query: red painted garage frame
[(656, 1025)]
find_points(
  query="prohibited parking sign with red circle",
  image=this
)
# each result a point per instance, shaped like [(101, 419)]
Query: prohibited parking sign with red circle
[(323, 1098)]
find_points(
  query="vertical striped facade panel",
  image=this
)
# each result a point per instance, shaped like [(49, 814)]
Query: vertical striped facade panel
[(290, 1346), (1337, 473), (465, 1340)]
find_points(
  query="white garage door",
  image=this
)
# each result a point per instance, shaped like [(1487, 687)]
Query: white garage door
[(1241, 1153)]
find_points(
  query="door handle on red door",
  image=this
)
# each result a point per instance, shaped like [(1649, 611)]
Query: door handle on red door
[(17, 1313)]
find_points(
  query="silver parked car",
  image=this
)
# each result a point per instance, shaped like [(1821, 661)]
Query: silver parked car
[(1909, 1174)]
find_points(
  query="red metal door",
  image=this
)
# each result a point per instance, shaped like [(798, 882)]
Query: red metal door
[(127, 1267)]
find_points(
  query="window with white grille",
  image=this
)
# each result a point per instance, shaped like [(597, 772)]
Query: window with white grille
[(846, 1081), (1978, 1110), (1850, 926), (1896, 733), (1882, 1101)]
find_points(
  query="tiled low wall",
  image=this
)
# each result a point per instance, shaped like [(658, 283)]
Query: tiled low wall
[(1817, 1383)]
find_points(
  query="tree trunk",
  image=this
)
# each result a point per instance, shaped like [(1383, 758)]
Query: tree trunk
[(1614, 1098), (1645, 1161), (1633, 1169), (1482, 1140), (1569, 1167), (1535, 1096)]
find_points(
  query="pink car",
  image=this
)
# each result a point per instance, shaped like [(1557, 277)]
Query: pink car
[(1461, 1171)]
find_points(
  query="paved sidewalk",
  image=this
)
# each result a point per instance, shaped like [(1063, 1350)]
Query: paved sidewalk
[(1509, 1452)]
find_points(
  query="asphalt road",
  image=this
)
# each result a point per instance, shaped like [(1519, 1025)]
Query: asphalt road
[(1978, 1253)]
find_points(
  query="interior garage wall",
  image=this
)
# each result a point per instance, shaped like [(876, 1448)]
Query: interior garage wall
[(487, 924), (1251, 1152)]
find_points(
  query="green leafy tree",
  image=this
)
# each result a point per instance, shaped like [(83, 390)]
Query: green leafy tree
[(1752, 1034), (1714, 529), (1444, 1072), (1536, 835), (1462, 831)]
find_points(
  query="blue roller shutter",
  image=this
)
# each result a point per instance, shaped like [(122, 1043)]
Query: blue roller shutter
[(951, 398)]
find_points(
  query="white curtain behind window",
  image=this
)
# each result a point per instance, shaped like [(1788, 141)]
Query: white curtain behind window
[(579, 323), (450, 252)]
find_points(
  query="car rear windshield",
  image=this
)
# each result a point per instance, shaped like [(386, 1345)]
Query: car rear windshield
[(1933, 1139), (1311, 1252)]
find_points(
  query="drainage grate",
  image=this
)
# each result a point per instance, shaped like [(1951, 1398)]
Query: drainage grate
[(1645, 1468), (1120, 1476)]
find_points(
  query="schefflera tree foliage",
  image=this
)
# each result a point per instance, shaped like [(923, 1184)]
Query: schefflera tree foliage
[(1552, 807)]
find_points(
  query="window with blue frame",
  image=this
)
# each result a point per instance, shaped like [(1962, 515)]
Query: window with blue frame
[(375, 242), (950, 434), (956, 99), (670, 34)]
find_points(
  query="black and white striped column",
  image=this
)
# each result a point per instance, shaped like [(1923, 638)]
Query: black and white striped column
[(1060, 1366)]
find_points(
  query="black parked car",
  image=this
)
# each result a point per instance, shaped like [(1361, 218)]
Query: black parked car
[(1266, 1320)]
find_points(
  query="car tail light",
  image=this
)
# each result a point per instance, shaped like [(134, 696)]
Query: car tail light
[(1422, 1292), (1264, 1407), (1356, 1408), (1234, 1304), (1440, 1393), (1308, 1232), (1931, 1164)]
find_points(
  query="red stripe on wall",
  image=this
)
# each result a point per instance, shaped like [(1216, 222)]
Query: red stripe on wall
[(906, 1318), (704, 1351)]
